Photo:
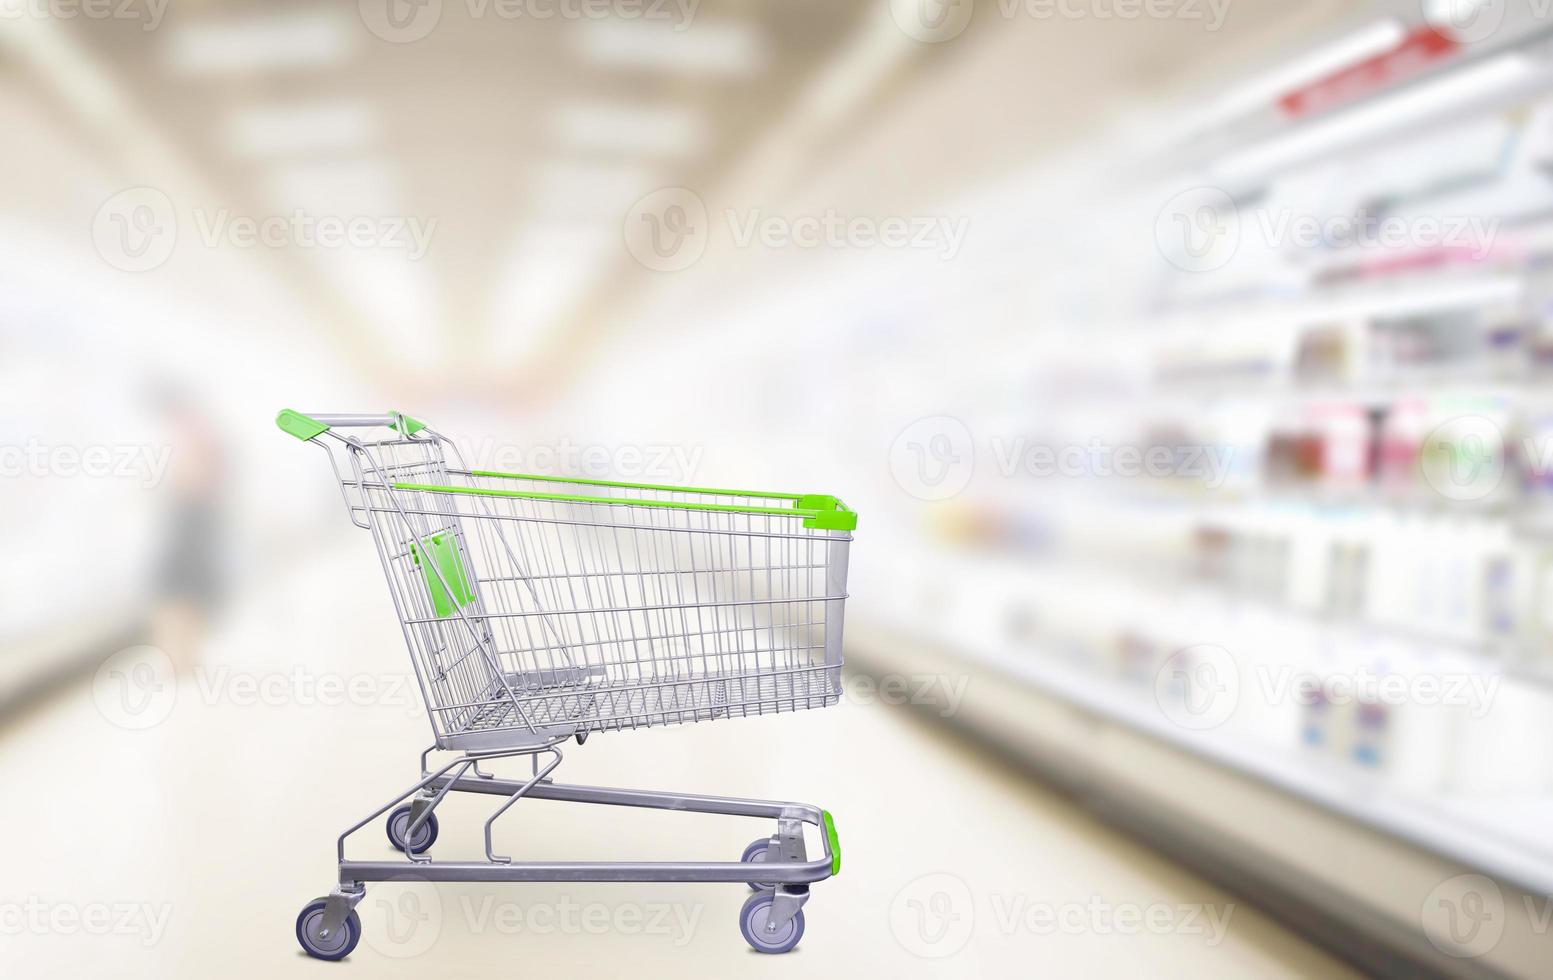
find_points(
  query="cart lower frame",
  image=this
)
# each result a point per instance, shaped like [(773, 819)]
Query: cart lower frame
[(784, 868)]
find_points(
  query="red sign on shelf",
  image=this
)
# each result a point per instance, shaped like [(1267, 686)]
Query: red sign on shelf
[(1412, 55)]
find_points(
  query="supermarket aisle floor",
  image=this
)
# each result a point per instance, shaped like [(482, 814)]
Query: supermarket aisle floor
[(192, 844)]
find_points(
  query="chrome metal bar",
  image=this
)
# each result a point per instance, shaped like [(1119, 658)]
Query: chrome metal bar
[(518, 794), (356, 872), (694, 803)]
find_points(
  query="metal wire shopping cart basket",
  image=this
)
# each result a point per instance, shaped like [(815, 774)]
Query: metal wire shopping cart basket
[(539, 609)]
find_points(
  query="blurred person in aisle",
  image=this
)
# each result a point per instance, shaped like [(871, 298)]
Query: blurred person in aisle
[(189, 572)]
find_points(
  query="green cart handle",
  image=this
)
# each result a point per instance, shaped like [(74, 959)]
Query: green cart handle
[(818, 510)]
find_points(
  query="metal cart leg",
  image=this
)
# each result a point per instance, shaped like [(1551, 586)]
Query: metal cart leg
[(490, 854)]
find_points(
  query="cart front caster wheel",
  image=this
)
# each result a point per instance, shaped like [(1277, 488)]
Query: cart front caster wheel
[(399, 822), (752, 922), (332, 947), (754, 854)]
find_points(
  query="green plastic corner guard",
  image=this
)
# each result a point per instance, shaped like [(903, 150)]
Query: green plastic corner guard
[(411, 426), (299, 425), (444, 552), (833, 841), (824, 513)]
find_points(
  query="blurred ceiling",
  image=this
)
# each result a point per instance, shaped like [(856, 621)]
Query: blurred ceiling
[(526, 129)]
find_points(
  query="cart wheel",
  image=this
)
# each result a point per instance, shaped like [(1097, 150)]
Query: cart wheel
[(755, 853), (399, 822), (335, 947), (752, 922)]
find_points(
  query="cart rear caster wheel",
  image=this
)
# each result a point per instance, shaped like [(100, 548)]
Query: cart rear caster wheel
[(752, 922), (333, 947), (754, 854), (399, 822)]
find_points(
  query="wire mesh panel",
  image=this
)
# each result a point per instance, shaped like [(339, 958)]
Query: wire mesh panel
[(537, 607)]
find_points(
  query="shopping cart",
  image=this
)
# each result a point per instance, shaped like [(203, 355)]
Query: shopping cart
[(539, 609)]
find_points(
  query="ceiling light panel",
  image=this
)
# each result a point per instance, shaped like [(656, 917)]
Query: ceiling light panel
[(730, 48), (654, 130), (301, 129), (274, 42)]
